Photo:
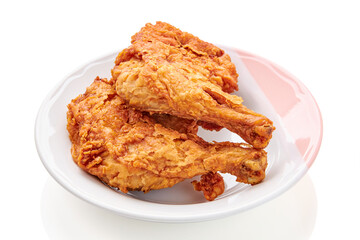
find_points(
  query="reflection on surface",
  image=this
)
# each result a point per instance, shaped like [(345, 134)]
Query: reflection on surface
[(290, 216)]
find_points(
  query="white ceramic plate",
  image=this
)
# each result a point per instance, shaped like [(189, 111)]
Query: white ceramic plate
[(265, 88)]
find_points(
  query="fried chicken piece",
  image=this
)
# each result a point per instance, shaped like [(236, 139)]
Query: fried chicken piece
[(178, 124), (211, 184), (129, 150), (169, 71)]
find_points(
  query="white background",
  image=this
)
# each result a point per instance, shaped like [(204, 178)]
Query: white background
[(317, 41)]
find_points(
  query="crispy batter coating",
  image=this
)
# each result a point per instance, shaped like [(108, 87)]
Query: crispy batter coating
[(181, 125), (207, 60), (130, 150), (169, 71), (211, 184)]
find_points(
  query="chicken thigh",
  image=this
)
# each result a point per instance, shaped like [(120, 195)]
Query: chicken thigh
[(169, 71)]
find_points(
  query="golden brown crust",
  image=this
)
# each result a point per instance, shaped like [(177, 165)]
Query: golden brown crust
[(169, 71), (129, 150), (211, 184), (167, 42), (178, 124)]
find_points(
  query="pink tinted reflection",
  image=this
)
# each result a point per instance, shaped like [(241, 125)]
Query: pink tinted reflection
[(291, 100)]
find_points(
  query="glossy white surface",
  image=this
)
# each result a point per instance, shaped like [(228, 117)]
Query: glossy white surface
[(317, 41), (291, 210)]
